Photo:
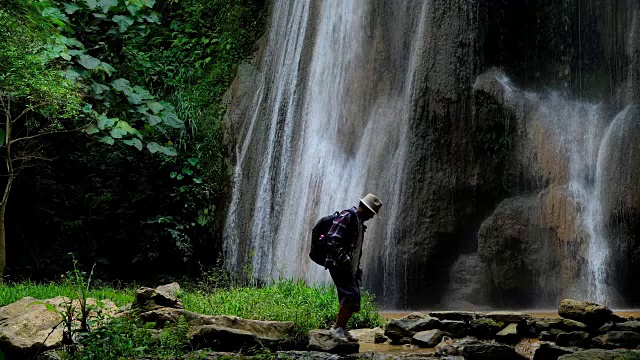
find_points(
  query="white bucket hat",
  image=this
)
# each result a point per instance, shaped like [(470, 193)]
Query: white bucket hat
[(372, 202)]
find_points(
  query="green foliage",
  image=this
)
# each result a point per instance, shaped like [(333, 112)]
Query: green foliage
[(309, 307), (124, 338), (12, 292)]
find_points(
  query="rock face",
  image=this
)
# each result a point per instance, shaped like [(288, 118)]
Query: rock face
[(26, 325), (150, 299), (618, 339), (598, 354), (463, 140)]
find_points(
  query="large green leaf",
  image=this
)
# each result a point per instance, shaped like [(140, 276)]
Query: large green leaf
[(121, 84), (144, 93), (117, 133), (70, 8), (88, 61), (149, 3), (134, 142), (171, 119), (92, 4), (106, 68), (2, 136), (133, 97), (153, 18), (108, 140), (91, 129), (153, 120), (107, 4), (123, 22), (106, 123), (155, 147), (99, 88), (126, 127), (155, 106)]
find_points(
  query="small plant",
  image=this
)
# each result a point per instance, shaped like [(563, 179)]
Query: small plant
[(74, 315)]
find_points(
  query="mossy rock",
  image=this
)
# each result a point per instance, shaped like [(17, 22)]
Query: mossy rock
[(485, 327)]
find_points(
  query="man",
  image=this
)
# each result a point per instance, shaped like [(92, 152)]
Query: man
[(344, 242)]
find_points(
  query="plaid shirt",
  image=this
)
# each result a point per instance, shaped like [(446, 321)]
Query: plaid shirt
[(342, 238)]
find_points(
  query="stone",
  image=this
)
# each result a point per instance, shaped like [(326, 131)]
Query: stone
[(489, 351), (549, 351), (566, 325), (222, 339), (400, 331), (485, 328), (618, 339), (148, 299), (574, 338), (453, 328), (629, 326), (550, 335), (465, 316), (171, 289), (507, 316), (428, 338), (600, 354), (323, 340), (589, 313), (369, 336), (306, 355), (26, 326), (509, 334)]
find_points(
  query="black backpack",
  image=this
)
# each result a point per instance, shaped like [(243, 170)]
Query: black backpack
[(319, 249)]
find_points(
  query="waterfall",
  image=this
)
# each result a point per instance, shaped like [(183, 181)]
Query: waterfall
[(327, 123)]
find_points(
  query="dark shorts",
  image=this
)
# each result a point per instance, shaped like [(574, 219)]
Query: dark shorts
[(348, 288)]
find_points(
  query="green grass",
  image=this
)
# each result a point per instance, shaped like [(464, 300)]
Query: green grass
[(309, 307), (10, 293)]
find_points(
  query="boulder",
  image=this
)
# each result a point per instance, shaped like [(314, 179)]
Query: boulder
[(489, 351), (599, 354), (223, 339), (400, 331), (509, 334), (369, 336), (453, 328), (26, 326), (148, 299), (465, 316), (589, 313), (484, 327), (566, 325), (550, 335), (171, 289), (549, 351), (574, 338), (618, 339), (517, 243), (507, 316), (323, 340), (428, 338)]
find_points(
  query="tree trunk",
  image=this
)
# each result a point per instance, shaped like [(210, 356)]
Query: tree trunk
[(7, 190)]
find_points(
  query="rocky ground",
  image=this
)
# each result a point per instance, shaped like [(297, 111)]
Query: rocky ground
[(583, 331)]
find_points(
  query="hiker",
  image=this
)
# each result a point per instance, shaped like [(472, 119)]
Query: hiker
[(344, 243)]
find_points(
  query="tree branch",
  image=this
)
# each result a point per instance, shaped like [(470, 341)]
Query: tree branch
[(47, 133)]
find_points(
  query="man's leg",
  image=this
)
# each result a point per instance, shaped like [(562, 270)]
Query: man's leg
[(343, 317)]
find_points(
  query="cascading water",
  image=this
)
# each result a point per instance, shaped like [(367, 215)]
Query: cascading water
[(328, 124), (349, 97)]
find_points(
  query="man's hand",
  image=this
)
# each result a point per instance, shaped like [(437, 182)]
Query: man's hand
[(359, 275)]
